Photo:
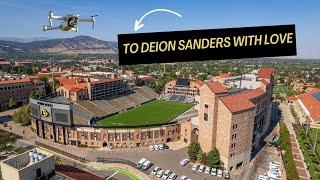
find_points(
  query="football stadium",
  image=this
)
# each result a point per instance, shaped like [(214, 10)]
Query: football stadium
[(133, 118), (152, 113)]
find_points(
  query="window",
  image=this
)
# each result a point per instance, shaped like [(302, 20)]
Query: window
[(233, 145), (232, 154), (234, 136), (206, 105), (235, 126), (205, 117)]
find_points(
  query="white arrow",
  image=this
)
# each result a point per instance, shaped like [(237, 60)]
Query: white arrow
[(138, 25)]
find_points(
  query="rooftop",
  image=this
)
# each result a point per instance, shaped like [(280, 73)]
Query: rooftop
[(266, 72), (217, 87), (241, 101), (312, 104), (27, 158)]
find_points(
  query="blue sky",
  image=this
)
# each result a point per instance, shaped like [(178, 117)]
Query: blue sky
[(25, 18)]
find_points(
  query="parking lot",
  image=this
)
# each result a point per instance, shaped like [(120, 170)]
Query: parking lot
[(166, 159)]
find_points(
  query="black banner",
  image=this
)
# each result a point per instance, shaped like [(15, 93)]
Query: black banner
[(209, 44)]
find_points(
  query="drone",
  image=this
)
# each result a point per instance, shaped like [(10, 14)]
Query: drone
[(69, 22)]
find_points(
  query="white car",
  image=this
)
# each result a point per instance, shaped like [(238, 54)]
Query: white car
[(220, 173), (146, 165), (226, 175), (195, 167), (161, 147), (160, 173), (155, 170), (201, 169), (139, 165), (166, 174), (183, 177), (207, 170), (213, 172), (184, 162), (173, 176), (151, 148), (262, 177), (156, 147)]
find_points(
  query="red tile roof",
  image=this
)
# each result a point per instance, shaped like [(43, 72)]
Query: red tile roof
[(75, 173), (216, 87), (264, 82), (266, 72), (312, 104), (71, 84), (224, 75), (241, 101)]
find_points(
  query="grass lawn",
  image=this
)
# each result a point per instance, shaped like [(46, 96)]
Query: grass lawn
[(154, 112), (120, 170), (308, 154), (284, 90), (312, 136)]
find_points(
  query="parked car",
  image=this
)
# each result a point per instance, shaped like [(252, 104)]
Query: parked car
[(161, 147), (184, 162), (183, 177), (195, 167), (220, 173), (213, 171), (155, 170), (173, 176), (208, 170), (151, 147), (146, 165), (166, 174), (156, 147), (262, 177), (160, 173), (139, 165), (226, 175), (201, 169)]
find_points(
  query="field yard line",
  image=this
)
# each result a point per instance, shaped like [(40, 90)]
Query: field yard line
[(113, 175)]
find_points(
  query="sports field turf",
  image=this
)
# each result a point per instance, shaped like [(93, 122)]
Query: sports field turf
[(154, 112)]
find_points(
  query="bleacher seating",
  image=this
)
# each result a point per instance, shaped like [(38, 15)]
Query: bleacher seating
[(85, 110), (92, 108)]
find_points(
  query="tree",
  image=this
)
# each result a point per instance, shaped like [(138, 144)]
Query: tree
[(22, 115), (213, 158), (12, 103), (6, 141), (193, 150)]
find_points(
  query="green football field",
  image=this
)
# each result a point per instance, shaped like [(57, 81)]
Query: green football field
[(154, 112)]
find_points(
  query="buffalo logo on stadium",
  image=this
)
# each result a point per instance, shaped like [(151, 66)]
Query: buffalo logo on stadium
[(45, 113)]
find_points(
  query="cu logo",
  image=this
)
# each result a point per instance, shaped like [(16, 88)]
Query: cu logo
[(45, 113)]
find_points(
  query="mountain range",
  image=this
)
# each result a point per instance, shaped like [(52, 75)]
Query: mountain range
[(74, 45)]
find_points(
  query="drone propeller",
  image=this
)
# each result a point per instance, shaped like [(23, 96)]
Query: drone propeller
[(50, 18)]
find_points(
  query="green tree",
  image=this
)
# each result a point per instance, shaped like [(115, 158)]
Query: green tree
[(193, 150), (6, 141), (213, 158), (21, 115), (12, 103)]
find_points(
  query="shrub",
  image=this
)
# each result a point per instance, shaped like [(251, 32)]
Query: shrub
[(213, 158), (193, 150), (292, 173)]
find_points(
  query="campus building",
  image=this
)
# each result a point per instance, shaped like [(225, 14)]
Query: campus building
[(183, 87), (18, 89), (234, 114), (78, 88), (309, 103), (30, 165)]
